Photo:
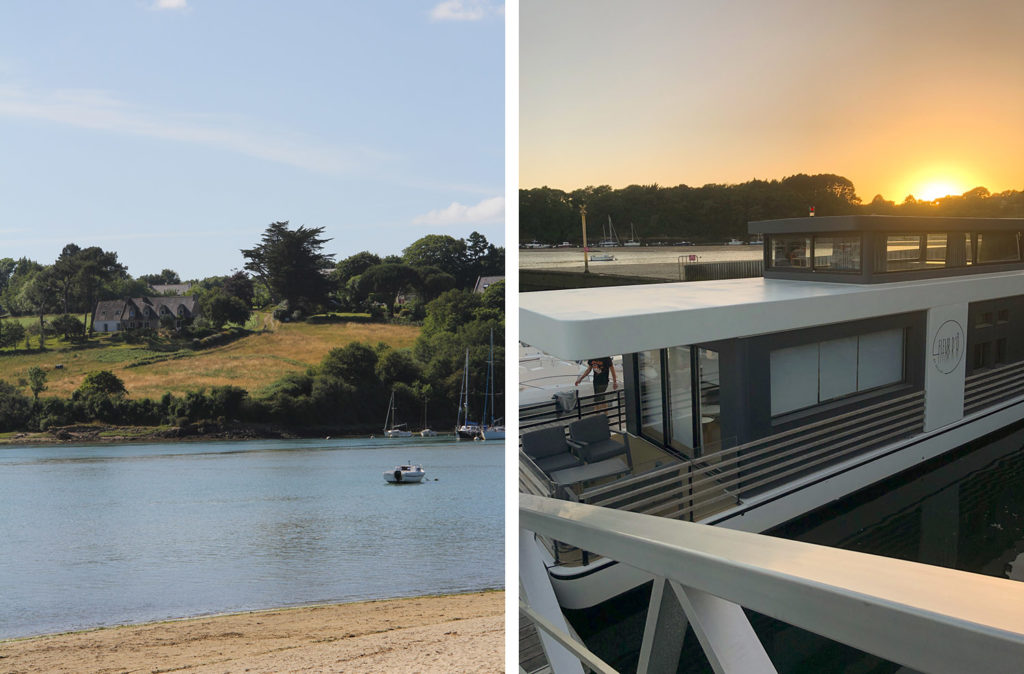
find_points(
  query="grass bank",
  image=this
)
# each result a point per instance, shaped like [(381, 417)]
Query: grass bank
[(251, 362)]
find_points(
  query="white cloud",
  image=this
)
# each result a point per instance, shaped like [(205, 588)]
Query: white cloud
[(464, 10), (98, 110), (169, 4), (487, 211)]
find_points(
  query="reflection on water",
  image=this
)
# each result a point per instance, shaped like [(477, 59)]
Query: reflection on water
[(129, 533)]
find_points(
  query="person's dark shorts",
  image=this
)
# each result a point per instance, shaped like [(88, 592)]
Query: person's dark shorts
[(599, 389)]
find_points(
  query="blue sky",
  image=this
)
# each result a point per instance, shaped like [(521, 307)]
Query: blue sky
[(175, 131)]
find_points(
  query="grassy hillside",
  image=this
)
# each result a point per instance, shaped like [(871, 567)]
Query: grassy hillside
[(251, 362)]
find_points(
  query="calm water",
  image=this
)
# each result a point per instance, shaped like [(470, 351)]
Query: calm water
[(572, 258), (102, 535)]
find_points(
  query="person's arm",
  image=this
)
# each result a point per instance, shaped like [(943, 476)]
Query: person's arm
[(584, 375), (615, 377)]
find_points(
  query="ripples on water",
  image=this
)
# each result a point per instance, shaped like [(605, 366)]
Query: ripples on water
[(100, 535)]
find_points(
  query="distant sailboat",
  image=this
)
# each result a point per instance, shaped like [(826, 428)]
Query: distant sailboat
[(395, 430), (494, 430), (609, 239), (633, 241), (464, 428), (427, 432)]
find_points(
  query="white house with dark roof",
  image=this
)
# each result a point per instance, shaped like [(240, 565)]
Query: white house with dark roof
[(141, 313)]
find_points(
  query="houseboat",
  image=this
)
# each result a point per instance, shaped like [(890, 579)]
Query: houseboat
[(872, 344)]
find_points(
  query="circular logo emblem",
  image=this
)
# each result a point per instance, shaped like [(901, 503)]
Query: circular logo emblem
[(948, 346)]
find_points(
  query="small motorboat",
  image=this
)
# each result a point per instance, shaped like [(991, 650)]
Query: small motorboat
[(405, 474)]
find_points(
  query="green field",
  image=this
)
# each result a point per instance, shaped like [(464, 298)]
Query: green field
[(251, 362)]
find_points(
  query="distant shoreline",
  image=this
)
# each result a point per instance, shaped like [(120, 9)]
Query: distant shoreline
[(455, 632), (108, 434)]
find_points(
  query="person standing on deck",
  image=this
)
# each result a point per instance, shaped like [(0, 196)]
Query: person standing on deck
[(601, 367)]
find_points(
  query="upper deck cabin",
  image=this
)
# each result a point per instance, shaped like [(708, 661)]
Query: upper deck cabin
[(883, 249), (864, 331)]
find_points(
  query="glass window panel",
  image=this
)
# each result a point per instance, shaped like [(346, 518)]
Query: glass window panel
[(680, 396), (998, 247), (837, 253), (880, 359), (837, 369), (790, 251), (935, 252), (903, 252), (710, 400), (651, 414), (794, 378)]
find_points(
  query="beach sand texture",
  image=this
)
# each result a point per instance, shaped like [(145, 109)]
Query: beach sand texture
[(454, 633)]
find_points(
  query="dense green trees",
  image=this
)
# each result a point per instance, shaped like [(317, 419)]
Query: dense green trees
[(427, 268), (292, 266), (715, 213)]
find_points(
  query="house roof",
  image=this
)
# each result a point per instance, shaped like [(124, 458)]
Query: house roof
[(483, 281), (115, 310), (176, 288)]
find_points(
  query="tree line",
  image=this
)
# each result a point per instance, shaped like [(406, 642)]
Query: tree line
[(287, 271), (714, 213), (346, 392)]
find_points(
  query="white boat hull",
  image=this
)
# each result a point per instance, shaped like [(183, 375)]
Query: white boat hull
[(399, 476), (395, 433)]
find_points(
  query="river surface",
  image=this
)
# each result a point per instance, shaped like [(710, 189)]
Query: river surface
[(568, 259), (96, 535)]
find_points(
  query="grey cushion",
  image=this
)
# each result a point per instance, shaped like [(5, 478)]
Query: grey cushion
[(545, 442), (601, 450), (559, 462), (590, 429)]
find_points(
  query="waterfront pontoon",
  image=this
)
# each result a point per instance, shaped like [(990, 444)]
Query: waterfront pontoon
[(872, 344)]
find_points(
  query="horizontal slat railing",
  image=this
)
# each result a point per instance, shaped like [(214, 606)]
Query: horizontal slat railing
[(926, 618), (722, 477), (992, 386)]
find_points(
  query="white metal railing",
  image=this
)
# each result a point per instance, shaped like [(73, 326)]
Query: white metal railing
[(928, 618)]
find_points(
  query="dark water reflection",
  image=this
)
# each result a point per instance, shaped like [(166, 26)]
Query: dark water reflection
[(103, 535)]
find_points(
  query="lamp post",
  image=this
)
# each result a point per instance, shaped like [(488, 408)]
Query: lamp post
[(586, 261)]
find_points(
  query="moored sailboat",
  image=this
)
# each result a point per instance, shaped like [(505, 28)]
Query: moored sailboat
[(395, 430)]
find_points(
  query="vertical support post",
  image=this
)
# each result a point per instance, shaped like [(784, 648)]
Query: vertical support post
[(535, 587), (729, 641), (586, 259), (664, 631)]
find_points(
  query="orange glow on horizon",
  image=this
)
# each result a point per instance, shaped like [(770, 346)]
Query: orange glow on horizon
[(938, 181)]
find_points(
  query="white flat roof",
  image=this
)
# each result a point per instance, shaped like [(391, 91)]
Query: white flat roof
[(591, 322)]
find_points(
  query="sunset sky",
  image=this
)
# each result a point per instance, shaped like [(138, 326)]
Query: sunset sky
[(913, 97)]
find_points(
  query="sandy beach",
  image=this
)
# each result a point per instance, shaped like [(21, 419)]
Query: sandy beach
[(453, 633)]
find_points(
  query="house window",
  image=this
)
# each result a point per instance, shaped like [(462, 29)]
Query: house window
[(810, 374)]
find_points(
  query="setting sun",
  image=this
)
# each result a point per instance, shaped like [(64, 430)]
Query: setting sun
[(938, 189)]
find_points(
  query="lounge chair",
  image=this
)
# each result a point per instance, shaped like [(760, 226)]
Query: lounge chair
[(593, 440), (548, 449)]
